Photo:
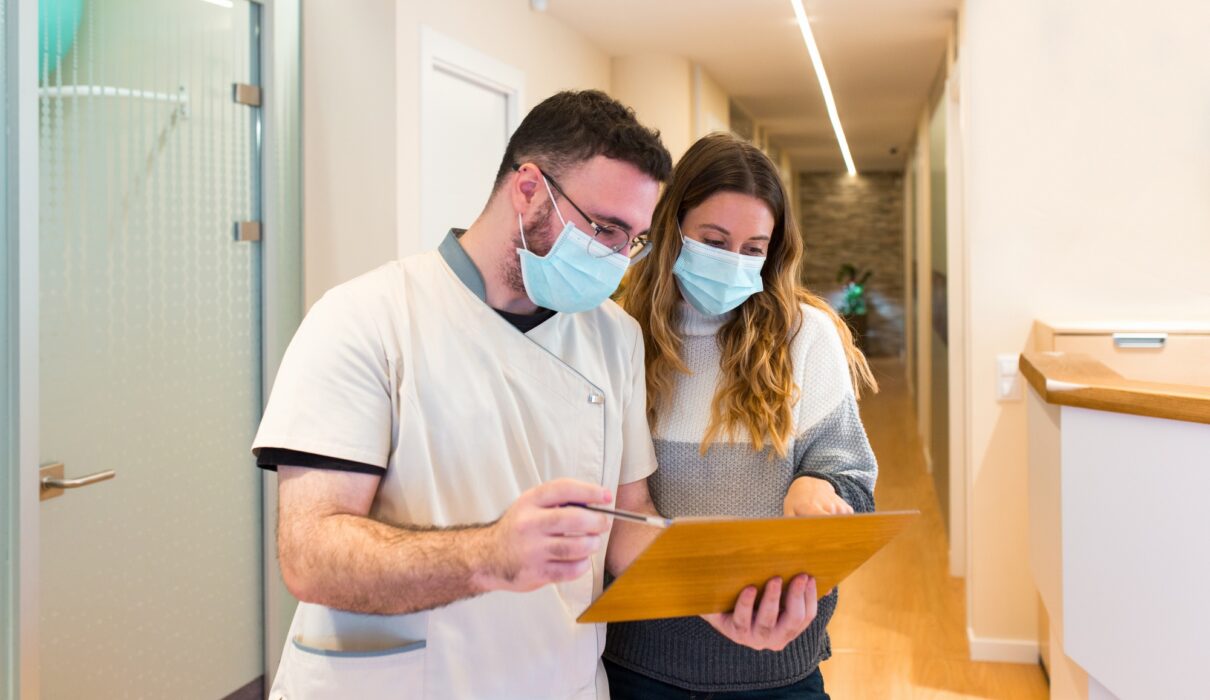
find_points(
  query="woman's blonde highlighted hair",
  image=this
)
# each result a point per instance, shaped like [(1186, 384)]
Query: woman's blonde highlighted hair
[(757, 390)]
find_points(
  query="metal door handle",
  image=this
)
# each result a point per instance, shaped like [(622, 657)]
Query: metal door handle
[(53, 483)]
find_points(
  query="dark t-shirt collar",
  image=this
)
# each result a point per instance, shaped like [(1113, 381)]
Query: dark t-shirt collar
[(464, 268)]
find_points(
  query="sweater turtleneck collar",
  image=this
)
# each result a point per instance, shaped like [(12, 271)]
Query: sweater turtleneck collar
[(693, 323)]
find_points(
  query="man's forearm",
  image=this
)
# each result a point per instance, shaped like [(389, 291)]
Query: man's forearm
[(357, 564)]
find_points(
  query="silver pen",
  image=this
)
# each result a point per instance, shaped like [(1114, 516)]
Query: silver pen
[(653, 520)]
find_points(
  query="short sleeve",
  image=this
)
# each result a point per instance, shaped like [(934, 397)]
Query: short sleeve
[(638, 452), (332, 394)]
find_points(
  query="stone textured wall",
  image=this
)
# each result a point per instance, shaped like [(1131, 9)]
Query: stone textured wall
[(857, 220)]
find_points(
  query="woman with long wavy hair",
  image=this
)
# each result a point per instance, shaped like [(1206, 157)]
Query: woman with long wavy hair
[(752, 386)]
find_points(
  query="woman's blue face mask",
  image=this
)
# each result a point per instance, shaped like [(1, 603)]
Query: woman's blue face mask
[(715, 281)]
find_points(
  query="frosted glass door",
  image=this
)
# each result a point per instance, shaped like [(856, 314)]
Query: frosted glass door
[(150, 348)]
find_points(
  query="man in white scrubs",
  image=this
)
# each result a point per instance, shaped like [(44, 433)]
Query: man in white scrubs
[(432, 418)]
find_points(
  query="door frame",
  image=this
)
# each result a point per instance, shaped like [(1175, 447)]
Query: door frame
[(21, 45), (439, 52), (281, 302)]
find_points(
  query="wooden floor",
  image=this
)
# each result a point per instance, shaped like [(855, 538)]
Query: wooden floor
[(900, 630)]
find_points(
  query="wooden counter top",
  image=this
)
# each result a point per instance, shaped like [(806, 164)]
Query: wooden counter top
[(1070, 379)]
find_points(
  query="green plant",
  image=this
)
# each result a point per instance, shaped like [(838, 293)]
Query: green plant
[(854, 303)]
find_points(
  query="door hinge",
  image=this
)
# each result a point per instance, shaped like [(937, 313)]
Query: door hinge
[(246, 94), (247, 230)]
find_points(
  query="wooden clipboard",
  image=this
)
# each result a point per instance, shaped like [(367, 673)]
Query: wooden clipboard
[(699, 566)]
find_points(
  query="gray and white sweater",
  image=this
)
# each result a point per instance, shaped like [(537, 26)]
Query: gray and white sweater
[(732, 479)]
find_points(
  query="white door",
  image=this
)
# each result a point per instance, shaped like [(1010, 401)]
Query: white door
[(470, 105)]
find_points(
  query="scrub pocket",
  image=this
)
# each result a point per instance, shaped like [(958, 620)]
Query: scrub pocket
[(317, 674)]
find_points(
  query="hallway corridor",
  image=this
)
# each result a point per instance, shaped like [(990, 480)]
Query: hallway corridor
[(900, 629)]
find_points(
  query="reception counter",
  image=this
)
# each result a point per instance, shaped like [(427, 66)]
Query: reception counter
[(1119, 503)]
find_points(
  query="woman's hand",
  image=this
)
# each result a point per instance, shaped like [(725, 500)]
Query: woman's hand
[(811, 496), (769, 627)]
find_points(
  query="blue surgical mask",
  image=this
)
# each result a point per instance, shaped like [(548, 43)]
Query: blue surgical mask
[(569, 279), (716, 281)]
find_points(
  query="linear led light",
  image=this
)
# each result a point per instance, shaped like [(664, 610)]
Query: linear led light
[(824, 85)]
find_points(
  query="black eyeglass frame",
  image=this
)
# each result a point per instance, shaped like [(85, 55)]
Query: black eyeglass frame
[(637, 243)]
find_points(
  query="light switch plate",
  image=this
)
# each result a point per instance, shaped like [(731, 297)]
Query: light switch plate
[(1008, 379)]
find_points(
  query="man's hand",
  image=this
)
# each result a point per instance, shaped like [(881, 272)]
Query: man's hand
[(811, 496), (537, 541), (767, 629)]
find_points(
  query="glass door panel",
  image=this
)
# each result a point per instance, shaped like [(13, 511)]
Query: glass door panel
[(150, 348)]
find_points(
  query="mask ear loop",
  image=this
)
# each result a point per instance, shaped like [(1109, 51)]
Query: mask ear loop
[(521, 226), (549, 193), (553, 203)]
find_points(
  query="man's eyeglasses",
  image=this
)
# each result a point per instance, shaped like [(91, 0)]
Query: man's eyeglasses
[(608, 239)]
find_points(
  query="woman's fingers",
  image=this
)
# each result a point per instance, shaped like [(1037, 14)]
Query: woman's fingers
[(741, 617), (794, 617), (811, 597), (770, 606)]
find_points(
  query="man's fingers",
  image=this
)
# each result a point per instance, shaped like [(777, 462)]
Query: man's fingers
[(556, 571), (561, 491), (571, 548), (770, 604), (572, 521)]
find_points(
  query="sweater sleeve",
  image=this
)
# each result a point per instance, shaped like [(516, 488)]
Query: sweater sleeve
[(837, 450), (831, 443)]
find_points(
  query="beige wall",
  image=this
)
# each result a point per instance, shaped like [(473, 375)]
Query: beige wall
[(349, 136), (660, 88), (1087, 197), (362, 122)]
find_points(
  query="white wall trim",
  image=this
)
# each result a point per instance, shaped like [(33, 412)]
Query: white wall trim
[(1013, 651), (958, 318), (439, 52), (699, 120), (281, 283)]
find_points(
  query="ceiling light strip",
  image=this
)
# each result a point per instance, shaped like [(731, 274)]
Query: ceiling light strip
[(809, 38)]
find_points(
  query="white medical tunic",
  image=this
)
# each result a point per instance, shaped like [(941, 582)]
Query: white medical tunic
[(407, 369)]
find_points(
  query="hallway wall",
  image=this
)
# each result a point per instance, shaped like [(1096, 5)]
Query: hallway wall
[(1088, 197), (660, 89), (857, 220)]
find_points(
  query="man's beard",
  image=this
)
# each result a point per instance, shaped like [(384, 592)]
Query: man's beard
[(539, 239)]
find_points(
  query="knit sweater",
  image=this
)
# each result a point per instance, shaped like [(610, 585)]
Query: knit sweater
[(733, 479)]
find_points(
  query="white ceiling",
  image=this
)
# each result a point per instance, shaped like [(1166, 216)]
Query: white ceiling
[(881, 57)]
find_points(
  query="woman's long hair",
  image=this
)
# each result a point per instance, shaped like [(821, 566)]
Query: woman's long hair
[(757, 390)]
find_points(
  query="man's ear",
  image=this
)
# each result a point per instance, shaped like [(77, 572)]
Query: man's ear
[(524, 186)]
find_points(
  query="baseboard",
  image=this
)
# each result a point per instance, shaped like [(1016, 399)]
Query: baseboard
[(1013, 651), (254, 690)]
